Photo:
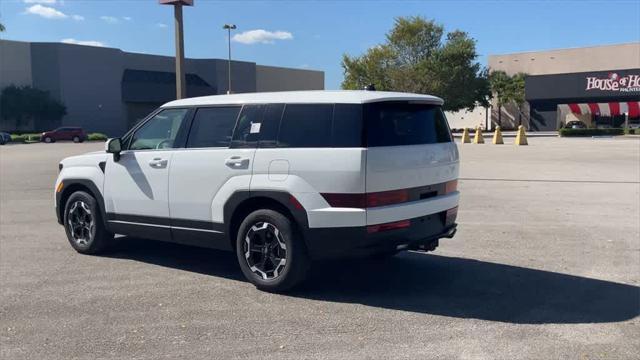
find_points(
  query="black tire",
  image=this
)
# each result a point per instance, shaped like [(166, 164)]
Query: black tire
[(48, 140), (297, 260), (96, 238), (76, 139)]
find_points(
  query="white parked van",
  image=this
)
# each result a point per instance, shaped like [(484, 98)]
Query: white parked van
[(280, 178)]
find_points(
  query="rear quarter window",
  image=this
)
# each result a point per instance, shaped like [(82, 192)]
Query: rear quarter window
[(306, 125), (397, 124)]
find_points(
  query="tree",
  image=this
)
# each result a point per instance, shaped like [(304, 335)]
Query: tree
[(517, 93), (418, 57), (500, 85), (22, 103), (507, 89), (2, 28)]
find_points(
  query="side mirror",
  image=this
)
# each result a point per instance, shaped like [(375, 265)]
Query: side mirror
[(114, 146)]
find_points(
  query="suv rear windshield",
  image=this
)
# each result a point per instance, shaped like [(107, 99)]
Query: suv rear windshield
[(401, 123)]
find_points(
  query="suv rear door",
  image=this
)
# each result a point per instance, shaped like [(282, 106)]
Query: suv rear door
[(207, 171), (410, 149)]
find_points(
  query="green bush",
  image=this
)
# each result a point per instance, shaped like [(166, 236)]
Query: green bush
[(25, 138), (97, 137), (590, 132)]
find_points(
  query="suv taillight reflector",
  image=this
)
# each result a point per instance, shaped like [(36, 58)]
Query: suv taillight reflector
[(451, 186), (346, 200), (387, 198), (388, 226)]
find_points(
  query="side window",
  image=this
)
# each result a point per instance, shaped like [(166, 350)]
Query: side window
[(347, 125), (306, 125), (271, 125), (249, 126), (212, 127), (160, 131)]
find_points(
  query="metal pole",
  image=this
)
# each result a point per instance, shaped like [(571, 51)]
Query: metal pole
[(229, 67), (180, 78)]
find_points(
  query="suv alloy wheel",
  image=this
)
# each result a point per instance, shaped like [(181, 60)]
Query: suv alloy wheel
[(83, 224), (271, 253)]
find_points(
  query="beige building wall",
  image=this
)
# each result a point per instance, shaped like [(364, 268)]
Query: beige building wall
[(467, 119), (595, 58), (272, 78)]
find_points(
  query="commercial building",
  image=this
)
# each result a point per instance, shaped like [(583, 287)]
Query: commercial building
[(599, 85), (108, 90)]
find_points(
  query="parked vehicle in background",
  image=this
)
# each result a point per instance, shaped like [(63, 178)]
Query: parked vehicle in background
[(75, 134), (4, 138), (279, 178), (575, 124)]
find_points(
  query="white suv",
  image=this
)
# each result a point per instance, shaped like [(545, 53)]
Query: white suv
[(280, 178)]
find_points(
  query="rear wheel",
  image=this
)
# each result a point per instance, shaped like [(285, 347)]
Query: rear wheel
[(270, 251), (83, 224), (76, 139)]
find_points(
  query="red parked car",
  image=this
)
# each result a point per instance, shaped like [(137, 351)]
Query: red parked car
[(77, 134)]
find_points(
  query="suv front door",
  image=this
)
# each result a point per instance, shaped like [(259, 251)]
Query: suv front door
[(136, 186), (205, 174)]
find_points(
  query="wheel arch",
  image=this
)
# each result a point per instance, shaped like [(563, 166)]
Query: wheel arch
[(73, 185), (242, 203)]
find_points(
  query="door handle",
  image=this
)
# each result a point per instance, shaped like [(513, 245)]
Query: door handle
[(237, 162), (158, 163)]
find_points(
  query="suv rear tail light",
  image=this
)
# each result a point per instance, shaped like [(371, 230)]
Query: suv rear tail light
[(371, 229), (346, 200), (387, 197), (451, 186)]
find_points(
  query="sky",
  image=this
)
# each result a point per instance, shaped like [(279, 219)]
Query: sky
[(315, 34)]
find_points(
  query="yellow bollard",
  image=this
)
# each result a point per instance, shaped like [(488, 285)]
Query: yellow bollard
[(497, 137), (465, 136), (521, 137), (478, 139)]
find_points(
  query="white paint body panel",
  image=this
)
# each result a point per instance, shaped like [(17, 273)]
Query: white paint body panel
[(83, 167), (134, 187), (306, 97), (197, 176)]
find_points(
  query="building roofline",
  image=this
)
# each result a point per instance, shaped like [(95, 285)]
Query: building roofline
[(564, 49)]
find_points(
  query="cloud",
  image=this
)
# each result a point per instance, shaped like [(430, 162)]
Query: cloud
[(77, 17), (110, 19), (127, 18), (261, 36), (45, 12), (161, 25), (80, 42), (39, 1)]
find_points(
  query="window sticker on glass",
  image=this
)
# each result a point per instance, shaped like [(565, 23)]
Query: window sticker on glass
[(255, 128)]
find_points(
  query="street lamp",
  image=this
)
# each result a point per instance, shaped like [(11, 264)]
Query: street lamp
[(229, 27)]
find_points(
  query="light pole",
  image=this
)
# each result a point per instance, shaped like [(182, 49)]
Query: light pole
[(229, 27), (181, 89)]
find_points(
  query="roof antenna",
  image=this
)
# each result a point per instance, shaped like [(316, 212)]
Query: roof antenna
[(370, 87)]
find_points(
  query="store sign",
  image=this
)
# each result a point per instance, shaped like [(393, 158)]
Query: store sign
[(614, 82)]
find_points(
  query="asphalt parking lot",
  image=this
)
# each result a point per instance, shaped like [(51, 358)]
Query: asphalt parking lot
[(546, 265)]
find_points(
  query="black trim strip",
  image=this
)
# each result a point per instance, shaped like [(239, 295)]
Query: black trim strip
[(183, 224)]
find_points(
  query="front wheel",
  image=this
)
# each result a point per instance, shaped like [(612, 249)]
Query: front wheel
[(83, 224), (76, 139), (48, 140), (271, 253)]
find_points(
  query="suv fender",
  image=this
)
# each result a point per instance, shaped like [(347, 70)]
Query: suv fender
[(242, 202)]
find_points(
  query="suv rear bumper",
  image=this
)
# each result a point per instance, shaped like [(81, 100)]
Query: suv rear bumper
[(422, 234)]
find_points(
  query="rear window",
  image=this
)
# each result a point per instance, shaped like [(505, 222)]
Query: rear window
[(397, 124)]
